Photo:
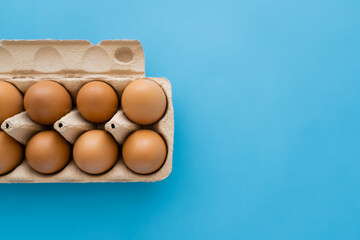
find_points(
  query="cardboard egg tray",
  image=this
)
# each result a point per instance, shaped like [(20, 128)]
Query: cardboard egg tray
[(73, 63)]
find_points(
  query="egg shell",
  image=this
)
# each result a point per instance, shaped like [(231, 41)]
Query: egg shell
[(97, 101), (47, 101), (143, 101), (11, 153), (48, 152), (11, 101), (144, 151), (95, 152)]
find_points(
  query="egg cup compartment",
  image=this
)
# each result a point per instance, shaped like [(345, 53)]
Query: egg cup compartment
[(125, 63)]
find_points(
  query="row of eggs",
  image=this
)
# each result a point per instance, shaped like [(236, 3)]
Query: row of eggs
[(95, 152), (143, 102)]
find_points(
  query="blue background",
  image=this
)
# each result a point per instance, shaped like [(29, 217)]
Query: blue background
[(267, 139)]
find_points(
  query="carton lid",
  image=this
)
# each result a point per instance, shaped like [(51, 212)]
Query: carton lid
[(120, 57)]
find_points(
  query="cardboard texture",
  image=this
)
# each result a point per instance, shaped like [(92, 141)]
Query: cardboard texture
[(73, 63)]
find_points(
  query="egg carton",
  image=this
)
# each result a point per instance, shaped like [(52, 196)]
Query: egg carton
[(74, 63)]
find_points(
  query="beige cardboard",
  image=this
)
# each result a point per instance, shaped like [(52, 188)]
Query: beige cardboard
[(72, 125), (73, 63), (120, 127), (21, 127)]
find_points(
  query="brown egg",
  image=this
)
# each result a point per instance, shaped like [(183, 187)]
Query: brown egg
[(97, 101), (95, 152), (11, 153), (48, 152), (47, 101), (143, 101), (11, 101), (144, 151)]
